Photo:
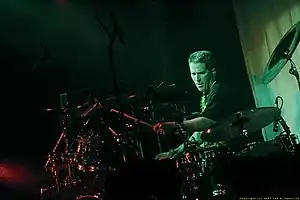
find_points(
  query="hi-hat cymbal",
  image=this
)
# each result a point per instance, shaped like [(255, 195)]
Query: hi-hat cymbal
[(250, 120), (282, 53)]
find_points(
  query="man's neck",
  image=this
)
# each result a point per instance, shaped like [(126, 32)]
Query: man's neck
[(211, 84)]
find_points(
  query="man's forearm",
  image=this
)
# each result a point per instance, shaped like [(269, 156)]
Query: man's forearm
[(198, 124)]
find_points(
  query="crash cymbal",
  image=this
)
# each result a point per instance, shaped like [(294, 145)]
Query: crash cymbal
[(251, 120), (282, 53)]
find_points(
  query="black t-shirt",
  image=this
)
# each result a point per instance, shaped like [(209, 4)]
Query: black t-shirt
[(219, 103)]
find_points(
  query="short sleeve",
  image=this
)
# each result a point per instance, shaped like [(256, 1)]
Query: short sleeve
[(216, 108), (211, 110)]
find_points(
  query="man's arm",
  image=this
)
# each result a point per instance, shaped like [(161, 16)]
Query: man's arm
[(198, 124)]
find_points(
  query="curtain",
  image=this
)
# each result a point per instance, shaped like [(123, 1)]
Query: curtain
[(261, 25)]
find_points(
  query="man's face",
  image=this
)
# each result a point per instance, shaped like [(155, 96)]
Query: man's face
[(201, 76)]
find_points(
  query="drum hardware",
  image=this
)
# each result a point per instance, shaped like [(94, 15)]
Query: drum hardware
[(294, 71), (283, 54)]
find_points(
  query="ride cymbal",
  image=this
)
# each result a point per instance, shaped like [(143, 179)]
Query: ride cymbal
[(282, 53)]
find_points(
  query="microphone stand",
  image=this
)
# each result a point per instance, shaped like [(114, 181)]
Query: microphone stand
[(116, 33)]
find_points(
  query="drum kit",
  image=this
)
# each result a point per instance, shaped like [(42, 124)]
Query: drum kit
[(108, 137)]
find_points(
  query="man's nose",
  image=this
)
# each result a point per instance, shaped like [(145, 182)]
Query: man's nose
[(198, 77)]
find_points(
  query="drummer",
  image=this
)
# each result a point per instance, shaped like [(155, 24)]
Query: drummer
[(214, 102)]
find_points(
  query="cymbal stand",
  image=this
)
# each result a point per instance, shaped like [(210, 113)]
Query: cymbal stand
[(294, 71), (113, 36), (152, 115)]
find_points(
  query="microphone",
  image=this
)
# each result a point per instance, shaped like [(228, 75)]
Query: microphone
[(117, 28), (275, 123)]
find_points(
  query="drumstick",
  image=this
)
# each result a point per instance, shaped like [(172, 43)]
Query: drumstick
[(136, 120)]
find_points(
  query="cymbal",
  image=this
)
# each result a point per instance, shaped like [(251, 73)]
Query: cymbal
[(251, 120), (282, 53), (124, 99), (167, 94)]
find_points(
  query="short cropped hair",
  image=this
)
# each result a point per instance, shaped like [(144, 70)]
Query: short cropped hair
[(202, 57)]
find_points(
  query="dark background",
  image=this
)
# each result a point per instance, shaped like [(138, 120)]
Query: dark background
[(158, 38)]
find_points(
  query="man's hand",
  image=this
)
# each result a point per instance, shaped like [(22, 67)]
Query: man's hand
[(162, 127)]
